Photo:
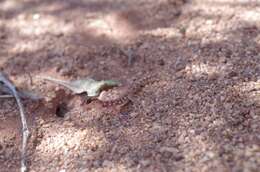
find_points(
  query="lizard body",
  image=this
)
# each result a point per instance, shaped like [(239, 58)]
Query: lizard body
[(118, 96), (87, 85)]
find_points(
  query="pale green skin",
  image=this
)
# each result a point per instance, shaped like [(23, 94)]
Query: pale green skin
[(87, 85)]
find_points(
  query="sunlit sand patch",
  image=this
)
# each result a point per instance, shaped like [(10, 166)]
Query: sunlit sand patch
[(250, 16), (3, 60), (25, 46), (10, 5), (164, 32), (251, 90), (39, 24), (206, 24), (60, 140), (112, 166), (257, 39), (27, 30), (199, 69), (113, 26)]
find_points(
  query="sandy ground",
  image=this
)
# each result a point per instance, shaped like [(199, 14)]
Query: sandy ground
[(202, 115)]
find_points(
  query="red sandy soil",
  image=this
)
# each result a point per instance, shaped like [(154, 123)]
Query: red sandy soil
[(202, 115)]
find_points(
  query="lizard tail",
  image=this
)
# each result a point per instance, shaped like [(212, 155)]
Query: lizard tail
[(57, 81)]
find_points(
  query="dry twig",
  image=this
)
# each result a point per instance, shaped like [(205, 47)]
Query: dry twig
[(4, 79), (6, 96), (129, 53)]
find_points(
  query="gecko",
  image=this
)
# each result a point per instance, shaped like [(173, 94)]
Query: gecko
[(87, 85), (107, 92)]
